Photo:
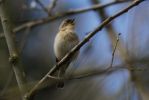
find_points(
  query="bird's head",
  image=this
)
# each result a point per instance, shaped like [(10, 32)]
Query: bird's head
[(67, 24)]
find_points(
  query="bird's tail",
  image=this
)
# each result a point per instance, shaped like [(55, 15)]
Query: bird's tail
[(61, 73), (60, 84)]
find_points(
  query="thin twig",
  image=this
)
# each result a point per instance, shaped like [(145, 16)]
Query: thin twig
[(109, 28), (14, 58), (34, 23), (112, 34), (87, 73), (53, 77), (78, 75), (90, 73), (114, 49), (52, 6), (42, 6), (71, 12), (77, 47)]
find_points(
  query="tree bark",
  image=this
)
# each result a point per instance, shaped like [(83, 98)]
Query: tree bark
[(14, 58)]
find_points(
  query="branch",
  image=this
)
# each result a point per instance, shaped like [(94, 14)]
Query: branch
[(42, 6), (112, 35), (34, 23), (77, 47), (52, 6), (78, 75), (71, 12), (14, 58), (94, 72), (88, 73), (114, 49)]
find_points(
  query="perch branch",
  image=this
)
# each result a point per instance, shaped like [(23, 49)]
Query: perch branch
[(78, 46)]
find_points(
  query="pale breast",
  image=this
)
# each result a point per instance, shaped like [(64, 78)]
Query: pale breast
[(64, 43)]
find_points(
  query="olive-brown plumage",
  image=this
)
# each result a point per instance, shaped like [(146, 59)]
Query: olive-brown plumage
[(65, 40)]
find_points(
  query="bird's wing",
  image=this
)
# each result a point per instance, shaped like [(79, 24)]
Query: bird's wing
[(72, 39)]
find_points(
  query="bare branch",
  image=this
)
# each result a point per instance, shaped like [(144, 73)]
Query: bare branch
[(14, 58), (95, 72), (34, 23), (77, 47), (78, 75), (87, 73), (71, 12), (52, 6), (114, 49), (112, 35), (47, 9), (42, 6)]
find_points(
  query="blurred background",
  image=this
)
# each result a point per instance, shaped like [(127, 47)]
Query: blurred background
[(36, 50)]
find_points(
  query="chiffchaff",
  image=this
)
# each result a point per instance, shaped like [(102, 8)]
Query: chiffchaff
[(65, 40)]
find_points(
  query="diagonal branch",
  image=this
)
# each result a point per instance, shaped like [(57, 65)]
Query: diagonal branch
[(34, 23), (77, 47)]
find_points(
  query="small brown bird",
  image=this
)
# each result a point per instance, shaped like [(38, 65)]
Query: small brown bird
[(65, 40)]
